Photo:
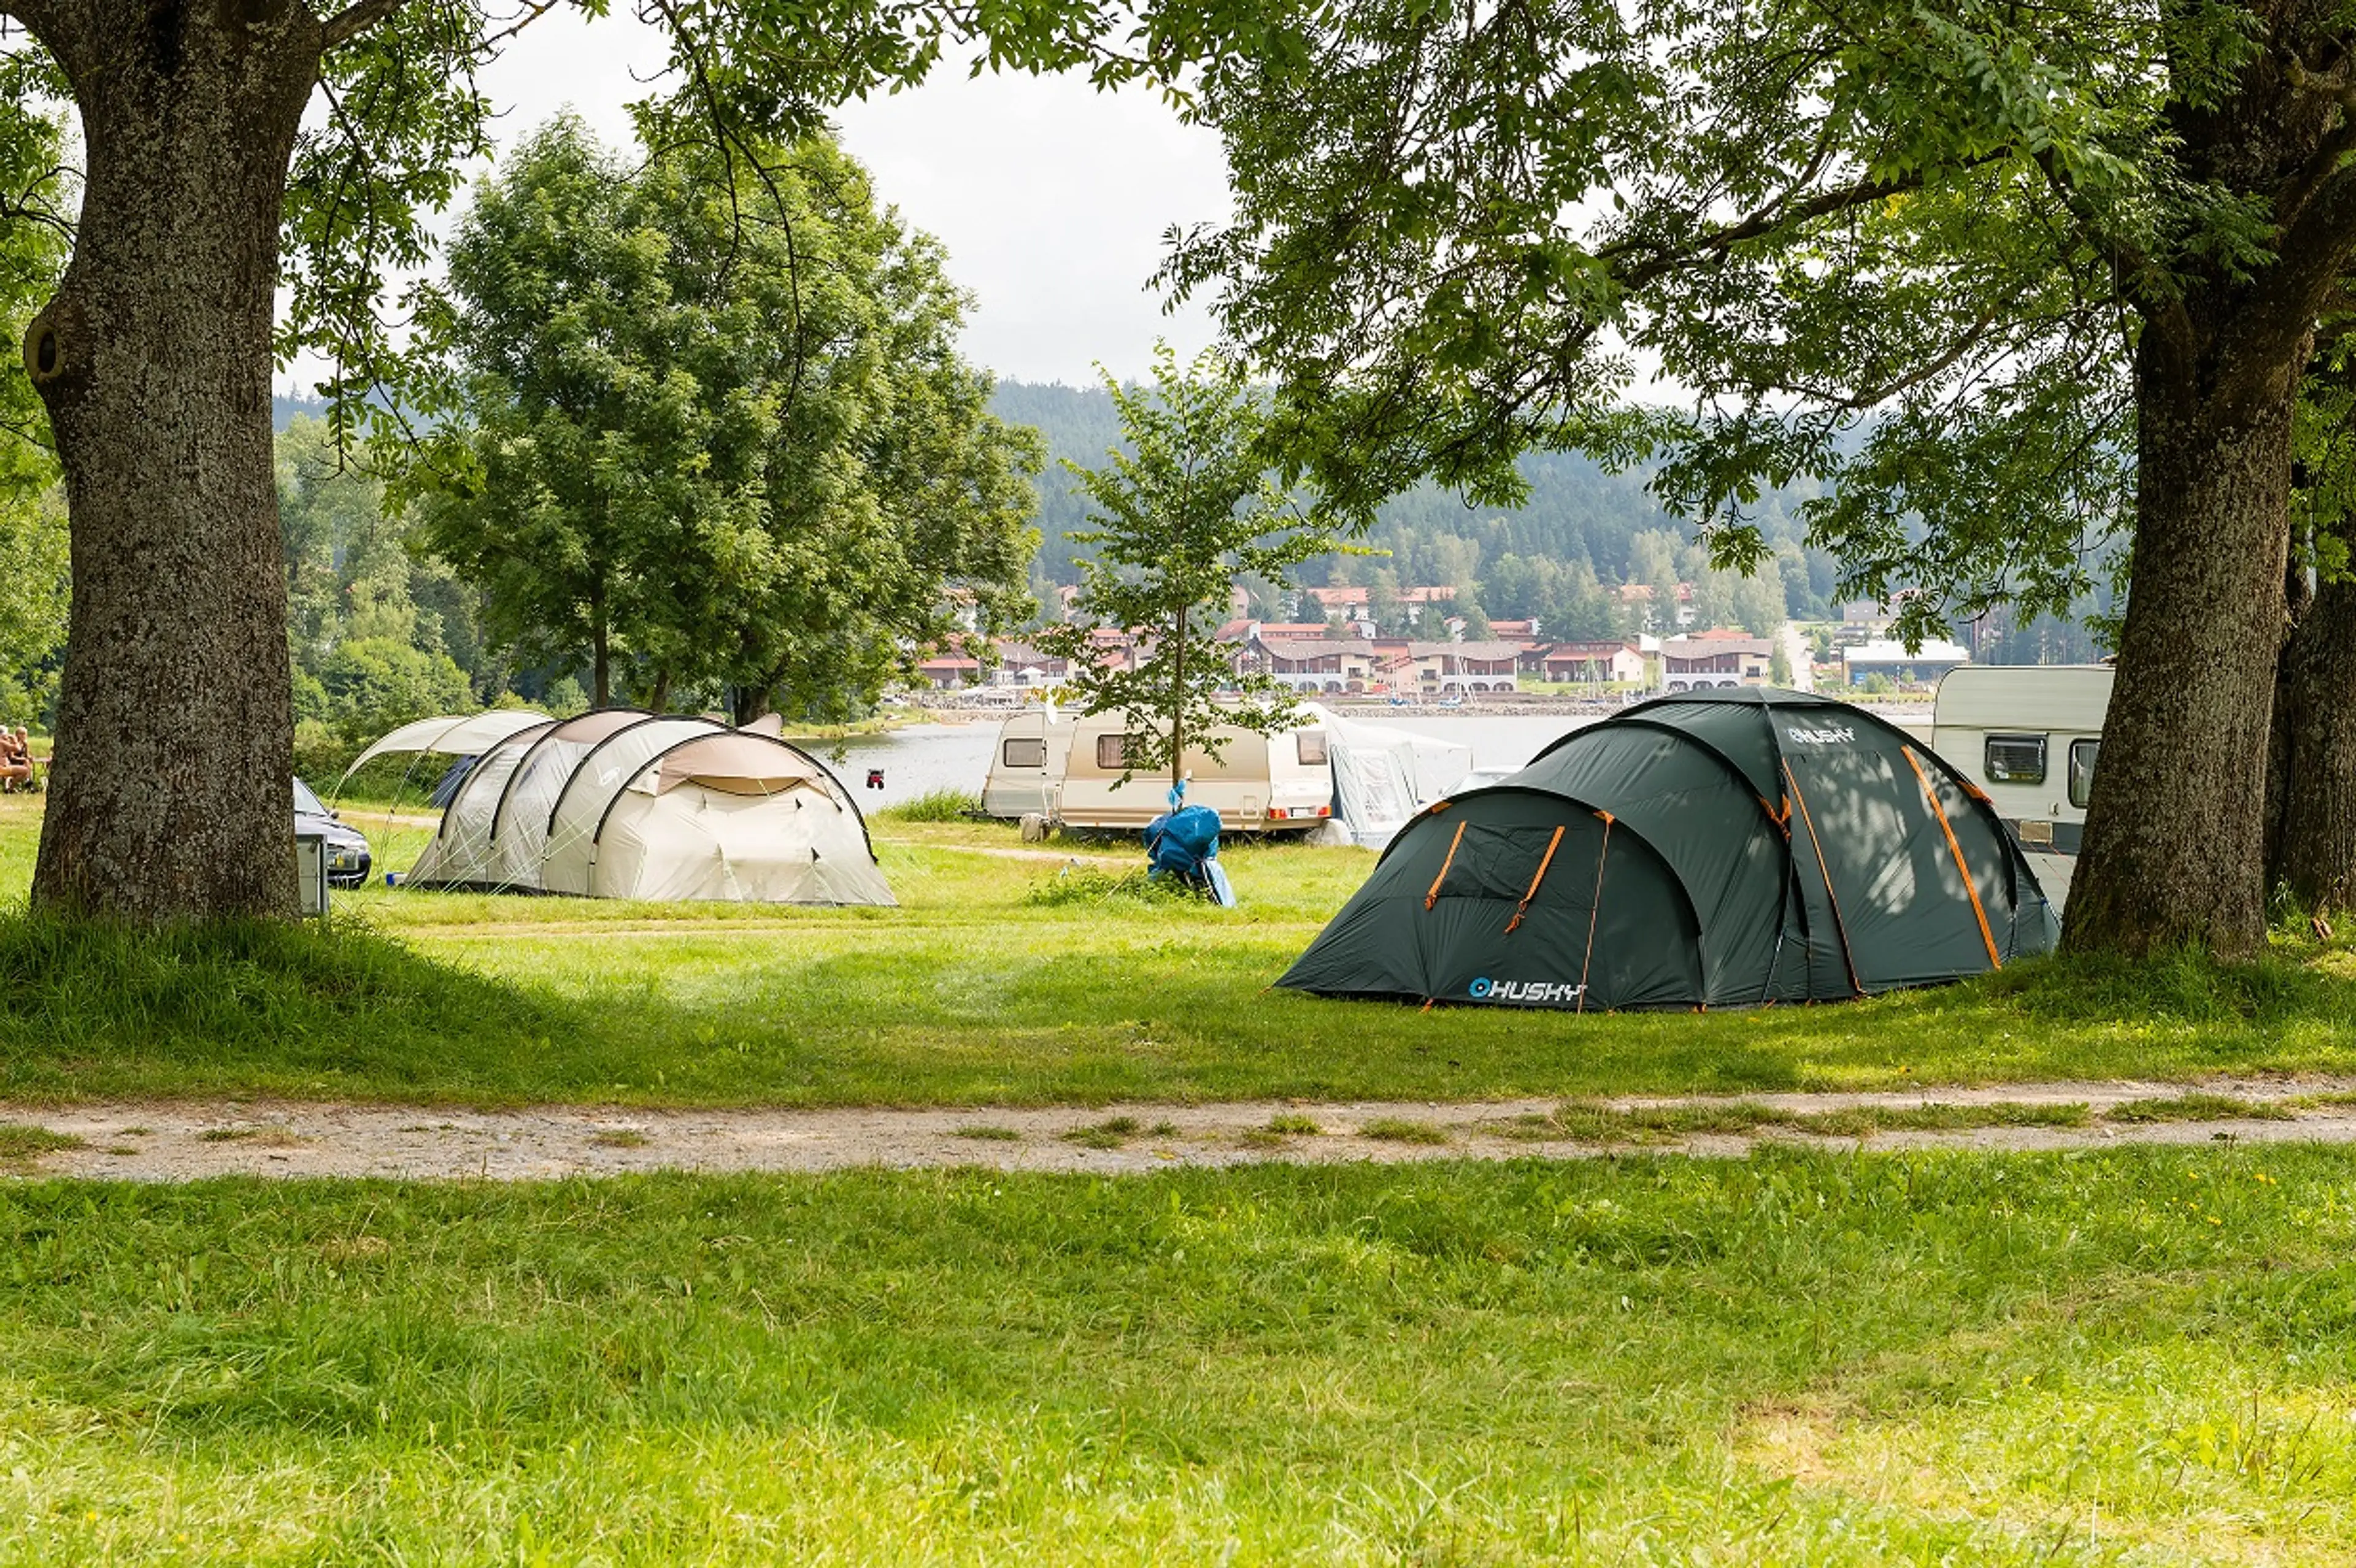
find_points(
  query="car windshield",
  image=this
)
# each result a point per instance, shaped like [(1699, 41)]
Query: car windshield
[(306, 802)]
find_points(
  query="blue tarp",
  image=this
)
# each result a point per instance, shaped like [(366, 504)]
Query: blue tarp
[(1184, 843)]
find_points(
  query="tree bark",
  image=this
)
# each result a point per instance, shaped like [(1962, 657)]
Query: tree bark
[(175, 715), (2314, 850), (2299, 598), (2175, 829)]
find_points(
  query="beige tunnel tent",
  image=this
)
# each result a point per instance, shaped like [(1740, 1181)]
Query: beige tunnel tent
[(623, 803)]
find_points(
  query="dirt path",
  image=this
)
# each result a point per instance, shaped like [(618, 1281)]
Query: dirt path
[(182, 1140)]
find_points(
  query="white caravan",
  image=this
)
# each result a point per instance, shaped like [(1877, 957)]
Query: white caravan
[(2029, 735), (1025, 764), (1370, 777), (1258, 784)]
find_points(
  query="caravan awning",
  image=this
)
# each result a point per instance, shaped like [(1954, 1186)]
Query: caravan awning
[(452, 734)]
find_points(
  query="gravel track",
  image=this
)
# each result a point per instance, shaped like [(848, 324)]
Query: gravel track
[(180, 1140)]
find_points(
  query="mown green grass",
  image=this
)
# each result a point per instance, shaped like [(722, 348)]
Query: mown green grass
[(974, 993), (2123, 1356)]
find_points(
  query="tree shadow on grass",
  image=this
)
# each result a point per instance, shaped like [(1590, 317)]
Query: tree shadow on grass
[(96, 1007)]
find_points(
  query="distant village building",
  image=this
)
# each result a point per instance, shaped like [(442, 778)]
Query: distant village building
[(1890, 659), (1638, 596), (1714, 660), (950, 672), (1319, 665), (1021, 663), (1622, 663), (1458, 669), (1355, 602)]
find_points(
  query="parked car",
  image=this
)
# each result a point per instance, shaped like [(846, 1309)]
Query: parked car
[(347, 852)]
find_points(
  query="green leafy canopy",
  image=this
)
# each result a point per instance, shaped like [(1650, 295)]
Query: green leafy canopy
[(1907, 250), (713, 442)]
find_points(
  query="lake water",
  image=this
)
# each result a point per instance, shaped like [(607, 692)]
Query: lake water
[(923, 758)]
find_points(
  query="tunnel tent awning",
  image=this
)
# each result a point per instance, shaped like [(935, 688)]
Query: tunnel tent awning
[(451, 734)]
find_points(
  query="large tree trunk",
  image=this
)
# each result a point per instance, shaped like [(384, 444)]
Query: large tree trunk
[(2313, 848), (175, 722), (2175, 827)]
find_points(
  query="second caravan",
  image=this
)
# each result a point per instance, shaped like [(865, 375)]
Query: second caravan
[(1258, 784), (2029, 735), (1372, 778)]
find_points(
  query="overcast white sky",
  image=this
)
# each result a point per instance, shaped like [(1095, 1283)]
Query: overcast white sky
[(1052, 197)]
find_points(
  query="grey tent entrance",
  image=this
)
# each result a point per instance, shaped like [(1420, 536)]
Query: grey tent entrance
[(1719, 848)]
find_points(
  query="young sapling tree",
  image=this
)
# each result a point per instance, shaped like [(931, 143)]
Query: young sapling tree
[(1177, 518)]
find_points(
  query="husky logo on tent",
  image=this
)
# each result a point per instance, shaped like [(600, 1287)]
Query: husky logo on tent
[(1838, 735), (1487, 990)]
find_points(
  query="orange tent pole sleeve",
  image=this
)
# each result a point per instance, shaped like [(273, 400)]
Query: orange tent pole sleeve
[(1595, 910), (1971, 890), (1840, 926), (1432, 897), (1544, 861)]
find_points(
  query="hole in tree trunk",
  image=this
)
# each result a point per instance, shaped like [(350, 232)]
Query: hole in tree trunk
[(45, 353)]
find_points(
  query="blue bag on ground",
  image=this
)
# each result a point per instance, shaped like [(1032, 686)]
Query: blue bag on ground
[(1184, 843)]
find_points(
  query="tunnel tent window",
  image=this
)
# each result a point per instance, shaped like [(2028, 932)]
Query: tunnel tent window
[(1729, 847)]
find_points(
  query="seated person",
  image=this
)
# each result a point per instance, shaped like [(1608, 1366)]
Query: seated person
[(16, 760)]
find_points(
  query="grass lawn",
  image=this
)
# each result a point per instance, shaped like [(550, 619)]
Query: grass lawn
[(991, 985), (2128, 1356)]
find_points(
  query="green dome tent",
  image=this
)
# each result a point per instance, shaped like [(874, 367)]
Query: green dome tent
[(1719, 848)]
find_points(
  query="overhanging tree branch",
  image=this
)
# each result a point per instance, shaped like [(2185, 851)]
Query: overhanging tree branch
[(355, 19)]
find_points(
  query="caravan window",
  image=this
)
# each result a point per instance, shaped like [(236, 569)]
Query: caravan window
[(1112, 751), (1313, 748), (2082, 771), (2016, 759), (1024, 752)]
